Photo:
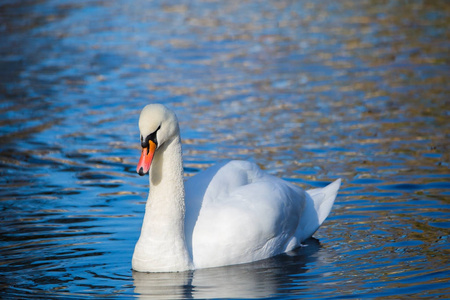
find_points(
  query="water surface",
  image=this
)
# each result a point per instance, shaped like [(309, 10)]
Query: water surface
[(310, 90)]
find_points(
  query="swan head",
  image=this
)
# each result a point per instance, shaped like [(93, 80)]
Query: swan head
[(157, 125)]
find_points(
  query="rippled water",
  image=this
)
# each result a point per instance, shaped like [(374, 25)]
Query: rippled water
[(310, 90)]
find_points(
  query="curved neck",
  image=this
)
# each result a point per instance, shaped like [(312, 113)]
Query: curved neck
[(166, 194), (162, 246)]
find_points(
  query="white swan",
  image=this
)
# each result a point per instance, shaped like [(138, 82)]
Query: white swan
[(231, 213)]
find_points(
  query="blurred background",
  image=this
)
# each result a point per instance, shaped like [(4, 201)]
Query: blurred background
[(312, 91)]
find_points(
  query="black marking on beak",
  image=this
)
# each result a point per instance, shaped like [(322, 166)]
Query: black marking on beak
[(150, 137), (141, 172)]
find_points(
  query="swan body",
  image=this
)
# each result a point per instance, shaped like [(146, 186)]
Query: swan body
[(231, 213)]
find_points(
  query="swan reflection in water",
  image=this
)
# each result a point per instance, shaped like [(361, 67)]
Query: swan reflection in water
[(253, 280)]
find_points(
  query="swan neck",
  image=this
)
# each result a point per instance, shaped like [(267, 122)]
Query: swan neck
[(166, 174), (162, 246), (165, 206)]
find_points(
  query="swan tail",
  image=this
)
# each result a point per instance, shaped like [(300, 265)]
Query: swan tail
[(317, 208), (324, 199)]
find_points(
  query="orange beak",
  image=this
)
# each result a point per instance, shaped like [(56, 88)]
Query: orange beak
[(146, 158)]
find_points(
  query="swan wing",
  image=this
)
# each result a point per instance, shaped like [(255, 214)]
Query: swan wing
[(245, 214)]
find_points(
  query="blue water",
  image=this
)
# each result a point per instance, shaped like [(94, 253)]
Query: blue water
[(310, 90)]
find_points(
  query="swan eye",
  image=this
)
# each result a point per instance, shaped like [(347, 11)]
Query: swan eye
[(150, 137)]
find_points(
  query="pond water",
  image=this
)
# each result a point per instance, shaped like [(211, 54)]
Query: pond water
[(310, 90)]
